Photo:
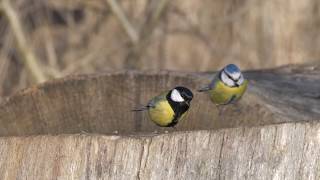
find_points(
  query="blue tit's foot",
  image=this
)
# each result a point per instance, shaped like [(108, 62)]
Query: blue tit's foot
[(235, 107)]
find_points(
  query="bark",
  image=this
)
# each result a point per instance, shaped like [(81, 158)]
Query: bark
[(81, 127)]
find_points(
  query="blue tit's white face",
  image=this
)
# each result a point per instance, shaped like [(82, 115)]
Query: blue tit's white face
[(231, 76)]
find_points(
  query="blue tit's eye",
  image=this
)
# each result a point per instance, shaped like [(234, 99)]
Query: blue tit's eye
[(240, 81), (176, 96), (235, 76), (225, 79)]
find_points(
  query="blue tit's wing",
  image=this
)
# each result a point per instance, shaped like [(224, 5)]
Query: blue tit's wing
[(209, 86)]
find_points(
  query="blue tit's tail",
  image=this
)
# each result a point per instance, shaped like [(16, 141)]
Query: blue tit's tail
[(204, 89)]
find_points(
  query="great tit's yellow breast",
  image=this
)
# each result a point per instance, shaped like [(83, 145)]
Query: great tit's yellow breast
[(162, 113), (222, 93)]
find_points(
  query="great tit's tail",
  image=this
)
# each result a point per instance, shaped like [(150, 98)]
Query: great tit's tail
[(204, 89), (144, 108)]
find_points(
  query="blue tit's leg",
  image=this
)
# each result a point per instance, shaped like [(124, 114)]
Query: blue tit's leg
[(220, 108)]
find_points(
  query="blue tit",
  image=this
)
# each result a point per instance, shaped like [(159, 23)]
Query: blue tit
[(169, 107), (227, 87)]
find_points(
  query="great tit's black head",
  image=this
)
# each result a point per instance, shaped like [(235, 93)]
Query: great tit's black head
[(231, 76), (181, 95)]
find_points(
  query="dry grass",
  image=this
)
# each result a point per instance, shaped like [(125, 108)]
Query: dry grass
[(80, 36)]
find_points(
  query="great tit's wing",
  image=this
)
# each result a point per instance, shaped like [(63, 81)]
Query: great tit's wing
[(157, 99), (152, 103)]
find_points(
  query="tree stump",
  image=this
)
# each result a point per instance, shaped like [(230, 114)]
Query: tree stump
[(81, 127)]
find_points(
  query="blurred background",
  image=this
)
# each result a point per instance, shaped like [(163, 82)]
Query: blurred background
[(45, 39)]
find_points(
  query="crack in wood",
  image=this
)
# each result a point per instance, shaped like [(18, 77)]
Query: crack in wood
[(144, 154), (220, 156)]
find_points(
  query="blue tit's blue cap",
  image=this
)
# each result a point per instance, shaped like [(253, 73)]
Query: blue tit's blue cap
[(231, 69)]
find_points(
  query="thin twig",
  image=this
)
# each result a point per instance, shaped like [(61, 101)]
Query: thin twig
[(84, 62), (116, 9), (134, 55), (159, 10), (28, 57), (50, 49)]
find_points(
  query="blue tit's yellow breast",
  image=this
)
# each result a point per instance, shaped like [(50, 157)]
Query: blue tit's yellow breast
[(221, 93), (162, 113)]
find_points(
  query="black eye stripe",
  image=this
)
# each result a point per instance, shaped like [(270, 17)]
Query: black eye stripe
[(231, 76)]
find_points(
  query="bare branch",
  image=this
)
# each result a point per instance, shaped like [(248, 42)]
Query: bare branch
[(29, 59), (133, 57), (116, 9), (159, 10)]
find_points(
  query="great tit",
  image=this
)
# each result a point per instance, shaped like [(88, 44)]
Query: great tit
[(169, 107), (227, 86)]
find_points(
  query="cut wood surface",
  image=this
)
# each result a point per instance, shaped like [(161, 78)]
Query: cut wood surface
[(81, 127)]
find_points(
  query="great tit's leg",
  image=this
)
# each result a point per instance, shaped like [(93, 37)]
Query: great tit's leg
[(174, 128)]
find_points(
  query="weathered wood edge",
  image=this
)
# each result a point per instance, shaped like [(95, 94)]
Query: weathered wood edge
[(286, 151), (301, 102), (79, 77)]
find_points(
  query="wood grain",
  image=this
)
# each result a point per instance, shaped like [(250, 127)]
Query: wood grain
[(287, 151)]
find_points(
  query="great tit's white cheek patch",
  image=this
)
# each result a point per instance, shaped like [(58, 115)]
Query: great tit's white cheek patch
[(227, 80), (176, 96)]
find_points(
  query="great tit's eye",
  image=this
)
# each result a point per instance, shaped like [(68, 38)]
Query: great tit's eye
[(176, 96)]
